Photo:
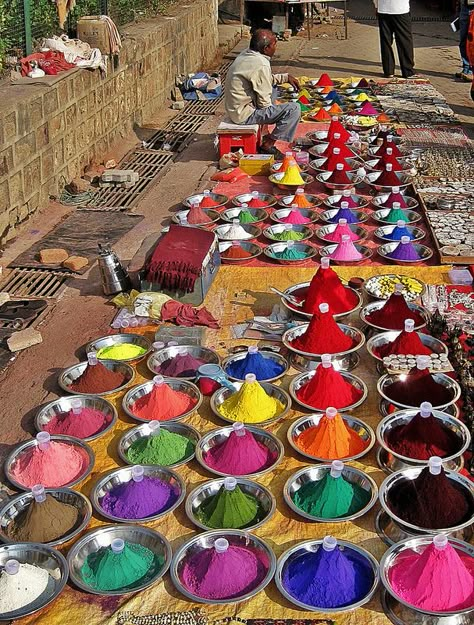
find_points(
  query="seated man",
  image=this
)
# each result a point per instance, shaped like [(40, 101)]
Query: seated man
[(248, 92)]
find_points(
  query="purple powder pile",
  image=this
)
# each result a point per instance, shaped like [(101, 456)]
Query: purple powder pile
[(139, 500)]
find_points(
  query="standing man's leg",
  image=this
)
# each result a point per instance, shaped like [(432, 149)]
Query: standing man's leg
[(386, 41), (466, 69), (404, 41)]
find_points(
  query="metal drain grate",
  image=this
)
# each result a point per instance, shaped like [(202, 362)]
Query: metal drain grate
[(177, 134), (34, 283), (224, 68), (111, 199), (201, 107), (148, 163)]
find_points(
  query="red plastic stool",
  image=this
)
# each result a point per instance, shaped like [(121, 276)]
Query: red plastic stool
[(233, 137)]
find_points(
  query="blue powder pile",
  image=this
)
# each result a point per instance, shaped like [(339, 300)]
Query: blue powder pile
[(263, 368), (328, 579), (344, 213), (397, 234)]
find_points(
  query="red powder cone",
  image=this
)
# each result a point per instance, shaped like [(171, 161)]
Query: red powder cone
[(405, 343), (393, 314), (334, 160), (419, 386), (346, 198), (208, 202), (322, 116), (337, 127), (328, 388), (383, 118), (324, 81), (389, 144), (345, 152), (338, 176), (197, 216), (396, 196), (323, 335), (303, 100), (326, 287), (388, 179), (392, 160)]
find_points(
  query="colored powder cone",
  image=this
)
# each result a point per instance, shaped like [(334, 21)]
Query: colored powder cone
[(121, 351), (304, 107), (396, 214), (363, 83), (326, 287), (323, 336), (336, 127), (344, 213), (106, 570), (240, 454), (300, 201), (405, 343), (235, 252), (345, 152), (292, 175), (246, 217), (340, 231), (393, 313), (351, 203), (383, 118), (322, 116), (181, 365), (296, 218), (86, 423), (231, 509), (97, 379), (389, 144), (436, 580), (324, 81), (207, 202), (334, 99), (404, 251), (338, 176), (335, 109), (334, 160), (163, 403), (139, 500), (395, 197), (197, 216), (328, 579), (165, 448), (331, 439), (256, 202), (326, 89), (305, 93), (250, 404), (263, 367), (289, 235), (388, 179), (331, 95), (346, 251), (331, 497), (382, 163), (290, 254), (328, 388), (418, 386), (423, 437), (368, 110), (303, 100), (398, 232), (362, 97), (288, 159)]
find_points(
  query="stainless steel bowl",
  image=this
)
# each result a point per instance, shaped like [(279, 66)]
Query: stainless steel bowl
[(183, 386), (253, 231), (276, 167), (44, 557), (245, 198), (206, 541), (278, 358), (276, 179), (330, 214), (288, 200), (379, 340), (371, 164), (312, 420), (384, 233), (19, 450), (208, 356), (319, 164), (379, 201), (219, 436), (198, 197), (252, 248), (354, 179), (381, 215), (213, 217), (332, 200), (385, 409), (273, 391), (272, 232), (20, 503), (271, 250), (67, 377), (404, 180), (391, 533), (343, 363), (279, 215), (203, 492), (303, 378), (328, 250), (117, 477), (400, 478), (120, 339), (64, 405), (401, 612), (317, 473), (440, 378), (322, 233), (424, 253), (354, 333), (395, 461), (102, 537), (143, 431), (372, 287), (373, 306), (310, 546), (300, 290), (259, 214)]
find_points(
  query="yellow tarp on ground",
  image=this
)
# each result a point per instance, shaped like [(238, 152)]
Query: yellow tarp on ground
[(237, 294)]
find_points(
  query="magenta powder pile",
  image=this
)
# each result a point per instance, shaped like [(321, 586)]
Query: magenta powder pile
[(212, 575), (181, 366), (88, 422), (239, 455)]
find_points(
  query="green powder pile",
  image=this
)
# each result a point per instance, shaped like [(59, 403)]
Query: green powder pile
[(246, 217), (231, 509), (164, 448), (121, 351), (304, 107), (290, 254), (288, 235), (396, 214), (331, 497), (106, 570)]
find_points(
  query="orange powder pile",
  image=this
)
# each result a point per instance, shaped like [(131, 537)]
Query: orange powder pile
[(162, 404), (331, 439)]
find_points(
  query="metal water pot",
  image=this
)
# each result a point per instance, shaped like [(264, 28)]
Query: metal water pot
[(115, 278)]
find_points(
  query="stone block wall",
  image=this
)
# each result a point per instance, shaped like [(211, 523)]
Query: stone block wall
[(48, 135)]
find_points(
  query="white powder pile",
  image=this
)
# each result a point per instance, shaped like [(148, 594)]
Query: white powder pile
[(235, 232), (18, 591)]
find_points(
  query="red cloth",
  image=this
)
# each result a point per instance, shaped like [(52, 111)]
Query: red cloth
[(51, 62), (177, 259), (187, 315)]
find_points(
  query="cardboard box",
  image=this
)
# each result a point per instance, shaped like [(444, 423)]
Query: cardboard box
[(92, 30), (256, 164)]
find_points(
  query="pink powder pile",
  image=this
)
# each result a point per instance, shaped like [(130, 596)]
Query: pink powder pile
[(87, 423), (56, 466), (346, 251), (295, 217), (437, 580), (341, 230)]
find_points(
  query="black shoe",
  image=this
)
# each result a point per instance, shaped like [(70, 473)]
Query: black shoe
[(273, 150)]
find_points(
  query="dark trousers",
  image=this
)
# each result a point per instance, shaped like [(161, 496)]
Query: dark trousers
[(398, 26)]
